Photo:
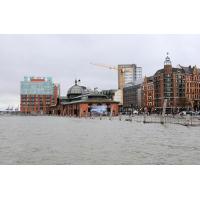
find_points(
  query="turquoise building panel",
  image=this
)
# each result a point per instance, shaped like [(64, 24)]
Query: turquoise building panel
[(36, 88)]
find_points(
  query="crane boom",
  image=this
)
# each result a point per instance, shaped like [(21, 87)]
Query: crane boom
[(105, 66), (122, 69)]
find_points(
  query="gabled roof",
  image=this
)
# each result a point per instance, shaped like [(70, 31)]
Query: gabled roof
[(187, 70), (150, 78)]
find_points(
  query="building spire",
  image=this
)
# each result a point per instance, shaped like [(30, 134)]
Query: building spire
[(167, 60)]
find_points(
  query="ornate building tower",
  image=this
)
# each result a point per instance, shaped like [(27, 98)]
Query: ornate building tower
[(169, 84), (168, 81)]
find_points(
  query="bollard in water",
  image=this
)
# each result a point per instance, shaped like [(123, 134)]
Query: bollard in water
[(162, 119), (145, 118), (187, 120)]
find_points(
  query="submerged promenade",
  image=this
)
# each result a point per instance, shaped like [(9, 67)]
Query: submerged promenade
[(65, 140), (187, 120)]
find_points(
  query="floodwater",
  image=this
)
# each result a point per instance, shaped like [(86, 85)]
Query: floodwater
[(61, 140)]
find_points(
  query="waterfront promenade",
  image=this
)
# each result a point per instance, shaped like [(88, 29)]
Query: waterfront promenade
[(154, 118), (168, 119)]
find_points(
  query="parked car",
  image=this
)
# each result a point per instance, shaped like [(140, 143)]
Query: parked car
[(190, 113), (183, 113), (135, 112), (198, 113)]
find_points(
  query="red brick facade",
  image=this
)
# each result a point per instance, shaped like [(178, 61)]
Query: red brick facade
[(169, 84), (179, 86), (38, 103), (148, 97), (80, 109), (192, 88)]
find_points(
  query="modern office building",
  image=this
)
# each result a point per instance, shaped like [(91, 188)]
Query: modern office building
[(81, 102), (138, 73), (128, 74), (133, 97), (38, 94)]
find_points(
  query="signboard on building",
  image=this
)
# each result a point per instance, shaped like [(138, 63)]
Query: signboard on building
[(98, 109)]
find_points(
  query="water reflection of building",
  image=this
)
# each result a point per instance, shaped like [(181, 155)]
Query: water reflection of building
[(37, 94), (80, 101)]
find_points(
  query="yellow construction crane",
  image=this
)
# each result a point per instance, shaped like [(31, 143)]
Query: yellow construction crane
[(121, 73), (122, 70), (105, 66)]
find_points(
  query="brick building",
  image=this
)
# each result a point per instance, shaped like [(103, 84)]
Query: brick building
[(192, 87), (169, 84), (172, 84), (81, 102), (179, 86), (148, 96), (38, 94)]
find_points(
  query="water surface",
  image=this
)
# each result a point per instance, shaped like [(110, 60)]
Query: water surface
[(61, 140)]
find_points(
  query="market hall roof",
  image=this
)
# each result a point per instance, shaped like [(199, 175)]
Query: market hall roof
[(92, 97), (77, 90)]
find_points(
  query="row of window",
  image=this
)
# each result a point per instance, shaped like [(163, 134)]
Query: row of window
[(35, 101), (193, 90), (193, 84), (193, 96)]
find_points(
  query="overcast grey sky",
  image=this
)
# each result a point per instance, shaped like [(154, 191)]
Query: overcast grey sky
[(66, 57)]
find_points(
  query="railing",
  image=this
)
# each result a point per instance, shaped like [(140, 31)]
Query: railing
[(168, 119)]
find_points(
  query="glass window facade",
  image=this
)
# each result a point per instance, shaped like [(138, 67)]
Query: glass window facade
[(37, 88)]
